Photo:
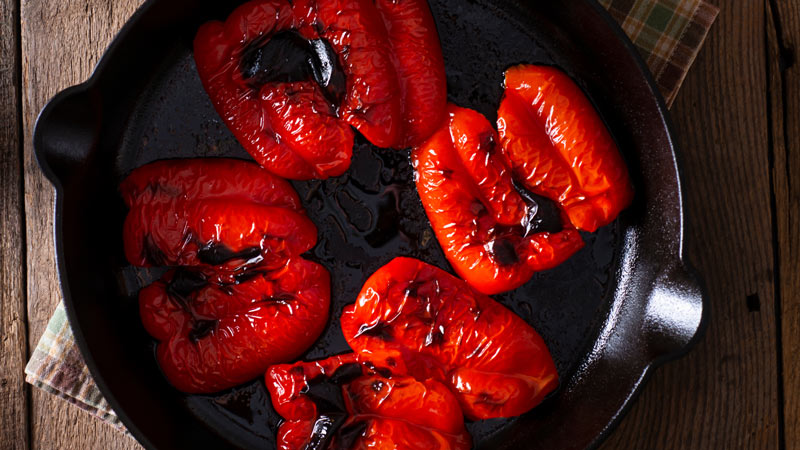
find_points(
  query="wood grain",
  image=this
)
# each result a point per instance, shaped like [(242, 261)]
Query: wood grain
[(13, 347), (61, 42), (783, 32), (724, 394)]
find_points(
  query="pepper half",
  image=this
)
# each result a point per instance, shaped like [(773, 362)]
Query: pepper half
[(223, 214), (213, 336), (415, 319), (339, 403), (287, 79), (558, 146), (172, 180), (493, 232), (242, 298)]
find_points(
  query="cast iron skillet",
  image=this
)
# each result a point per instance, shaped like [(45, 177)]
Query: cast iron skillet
[(623, 305)]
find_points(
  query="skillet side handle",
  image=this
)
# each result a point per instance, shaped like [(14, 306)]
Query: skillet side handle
[(675, 315), (66, 132)]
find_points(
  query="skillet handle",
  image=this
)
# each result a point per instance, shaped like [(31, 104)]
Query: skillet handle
[(675, 316), (66, 132)]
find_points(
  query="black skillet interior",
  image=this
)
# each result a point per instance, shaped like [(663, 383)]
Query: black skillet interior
[(620, 305)]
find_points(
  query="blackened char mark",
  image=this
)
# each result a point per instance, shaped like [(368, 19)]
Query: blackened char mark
[(348, 435), (202, 328), (215, 254), (288, 57), (186, 281), (283, 58), (544, 215), (326, 393), (503, 251), (152, 253), (380, 330)]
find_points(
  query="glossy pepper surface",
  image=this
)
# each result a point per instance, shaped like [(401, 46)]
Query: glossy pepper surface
[(415, 319), (225, 234), (288, 79), (558, 146), (494, 234), (224, 214), (213, 336), (174, 180), (339, 403), (264, 99)]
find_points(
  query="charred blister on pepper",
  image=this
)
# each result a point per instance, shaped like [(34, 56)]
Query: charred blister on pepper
[(240, 297), (225, 214), (494, 232), (340, 403), (414, 319), (213, 336), (289, 78)]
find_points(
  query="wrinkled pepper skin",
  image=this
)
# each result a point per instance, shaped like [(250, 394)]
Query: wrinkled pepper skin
[(392, 59), (173, 180), (338, 403), (492, 237), (215, 336), (224, 214), (420, 67), (272, 122), (357, 34), (413, 318), (558, 146), (386, 78), (227, 235)]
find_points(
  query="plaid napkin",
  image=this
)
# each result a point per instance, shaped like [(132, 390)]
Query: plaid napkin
[(668, 34)]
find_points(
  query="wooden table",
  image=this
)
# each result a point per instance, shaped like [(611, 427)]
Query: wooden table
[(737, 120)]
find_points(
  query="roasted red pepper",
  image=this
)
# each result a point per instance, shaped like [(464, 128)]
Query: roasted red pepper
[(289, 78), (214, 336), (174, 180), (494, 234), (420, 67), (413, 318), (225, 214), (559, 147), (338, 403)]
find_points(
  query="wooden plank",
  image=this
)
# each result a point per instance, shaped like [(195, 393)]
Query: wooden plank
[(13, 344), (61, 42), (783, 33), (724, 394)]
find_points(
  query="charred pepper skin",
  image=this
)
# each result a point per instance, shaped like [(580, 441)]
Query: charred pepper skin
[(491, 235), (215, 336), (358, 36), (377, 66), (559, 147), (415, 319), (248, 107), (225, 235), (221, 214), (241, 297), (339, 403)]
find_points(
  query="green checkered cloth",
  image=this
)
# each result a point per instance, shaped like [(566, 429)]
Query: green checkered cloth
[(56, 366), (668, 34)]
